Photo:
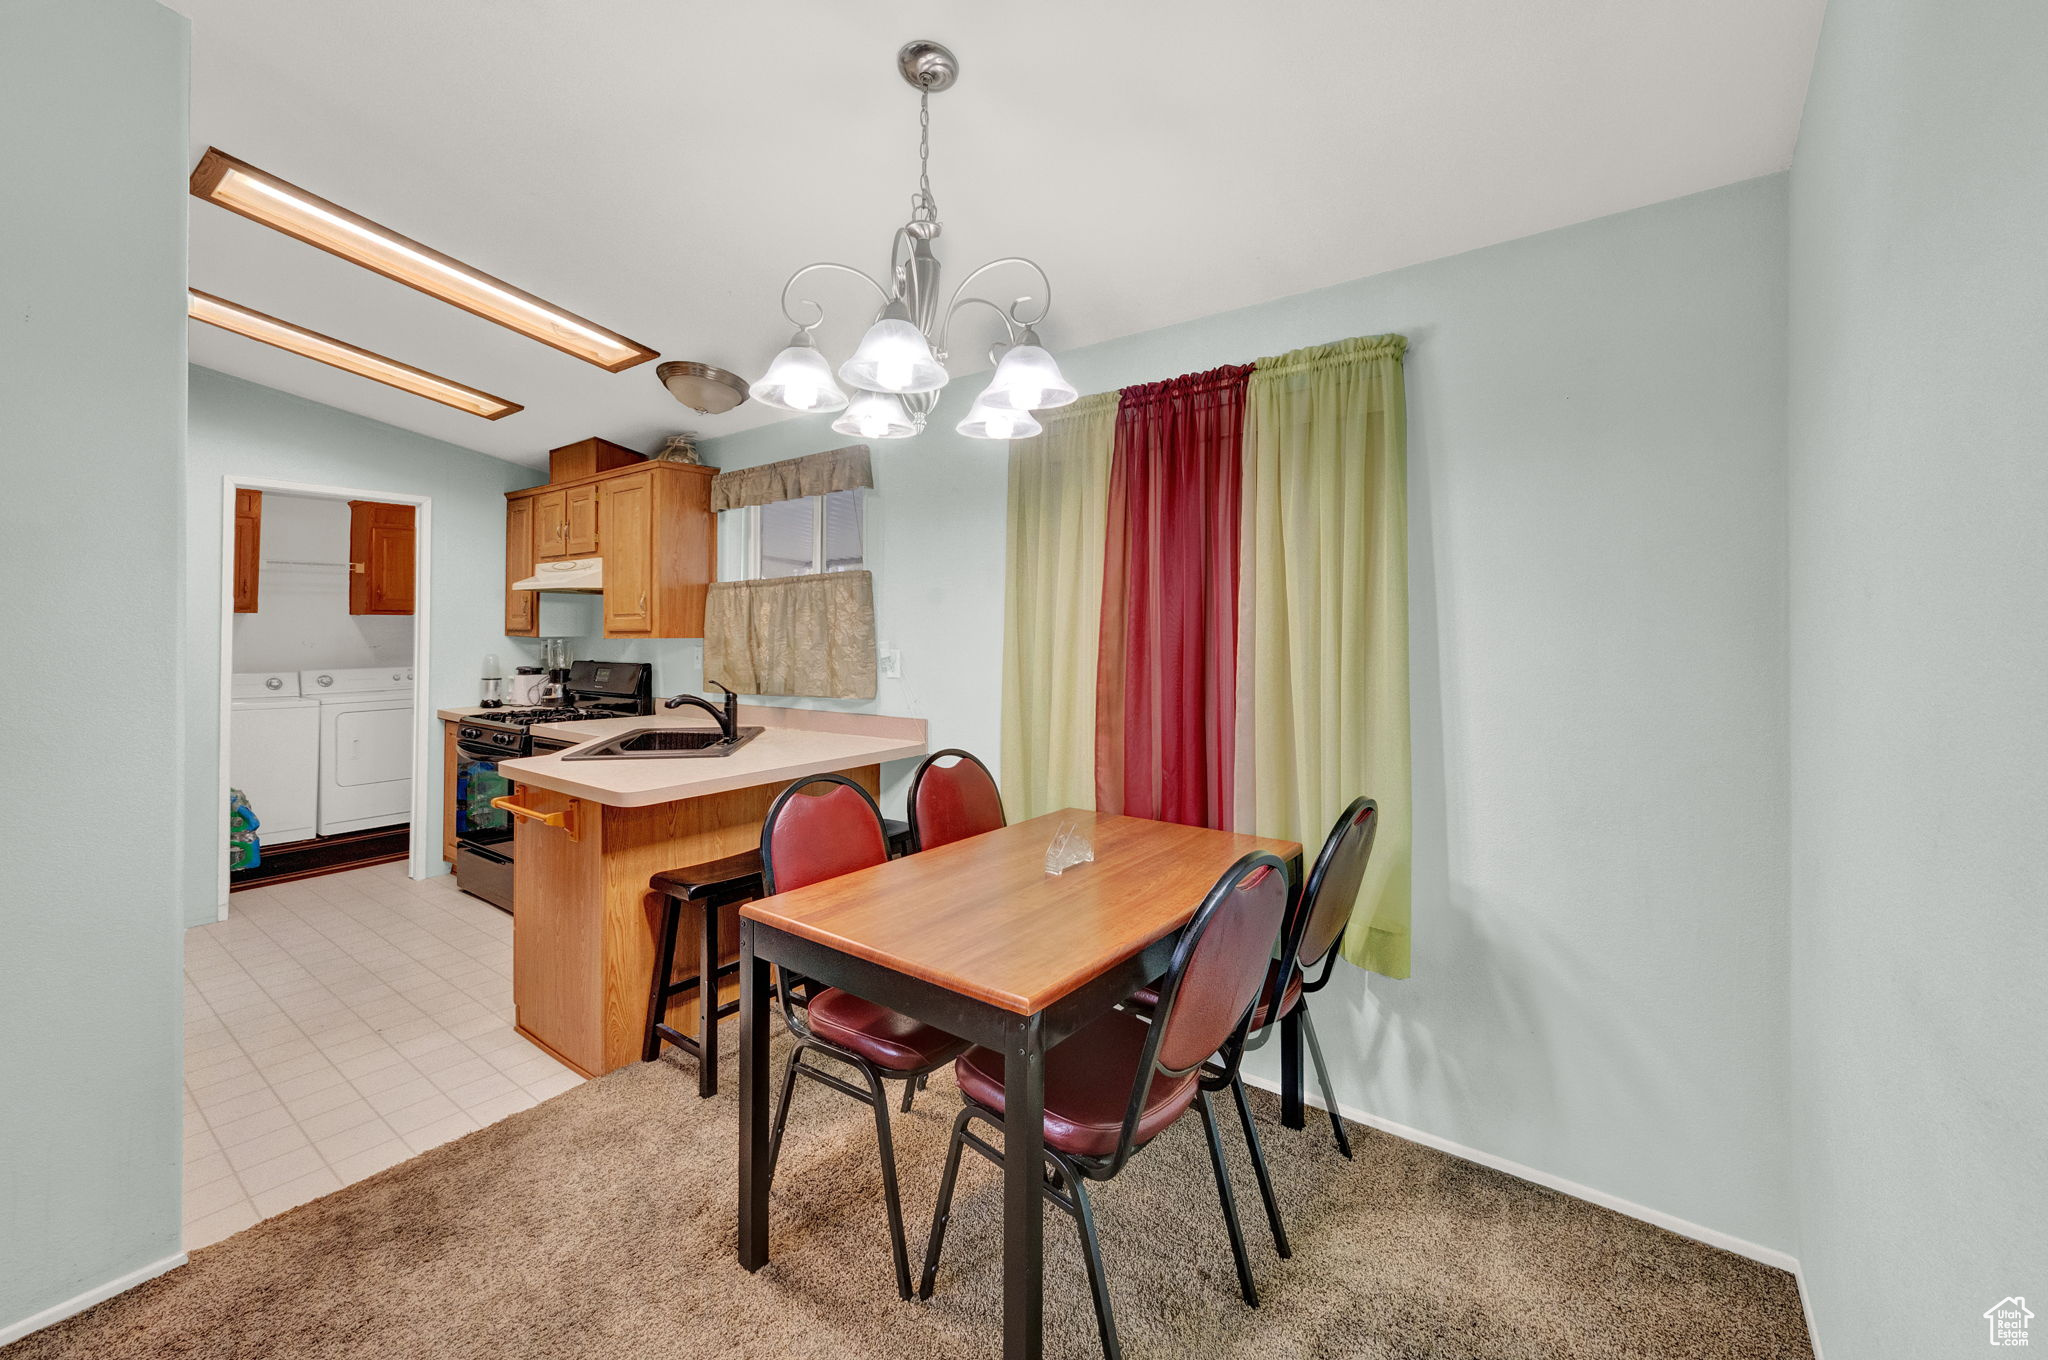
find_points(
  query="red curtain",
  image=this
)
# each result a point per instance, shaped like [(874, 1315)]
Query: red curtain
[(1166, 689)]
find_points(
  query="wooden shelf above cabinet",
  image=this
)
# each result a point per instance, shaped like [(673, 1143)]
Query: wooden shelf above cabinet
[(652, 524)]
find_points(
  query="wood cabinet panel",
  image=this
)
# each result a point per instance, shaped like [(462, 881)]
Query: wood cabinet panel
[(248, 549), (551, 526), (380, 558), (449, 761), (522, 607), (629, 556), (580, 518), (584, 922)]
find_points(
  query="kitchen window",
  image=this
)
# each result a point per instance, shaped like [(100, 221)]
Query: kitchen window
[(802, 537)]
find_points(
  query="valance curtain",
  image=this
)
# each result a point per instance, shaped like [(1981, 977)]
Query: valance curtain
[(1323, 622), (1059, 491), (810, 635), (1167, 670), (812, 475)]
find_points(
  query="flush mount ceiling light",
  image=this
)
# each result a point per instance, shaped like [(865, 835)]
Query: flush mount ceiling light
[(262, 197), (900, 366), (313, 345), (702, 387)]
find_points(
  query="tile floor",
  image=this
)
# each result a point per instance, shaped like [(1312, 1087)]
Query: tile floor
[(337, 1025)]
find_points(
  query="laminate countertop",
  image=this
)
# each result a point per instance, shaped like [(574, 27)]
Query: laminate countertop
[(794, 742)]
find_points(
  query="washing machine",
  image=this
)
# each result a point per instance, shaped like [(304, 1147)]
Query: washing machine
[(274, 753), (365, 746)]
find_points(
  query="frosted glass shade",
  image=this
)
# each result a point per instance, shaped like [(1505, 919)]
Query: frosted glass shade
[(985, 422), (1027, 379), (893, 357), (800, 380), (876, 415)]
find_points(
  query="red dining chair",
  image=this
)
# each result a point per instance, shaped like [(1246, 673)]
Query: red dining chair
[(1114, 1086), (1310, 940), (952, 802), (819, 828)]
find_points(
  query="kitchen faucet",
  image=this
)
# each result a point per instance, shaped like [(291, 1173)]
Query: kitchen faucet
[(728, 717)]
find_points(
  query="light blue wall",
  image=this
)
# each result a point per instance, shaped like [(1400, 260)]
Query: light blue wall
[(1919, 527), (244, 430), (1598, 511), (92, 402)]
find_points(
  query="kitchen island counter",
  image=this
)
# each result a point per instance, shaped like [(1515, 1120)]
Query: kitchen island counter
[(794, 742), (591, 834)]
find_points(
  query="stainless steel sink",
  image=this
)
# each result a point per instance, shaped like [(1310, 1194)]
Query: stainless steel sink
[(644, 743)]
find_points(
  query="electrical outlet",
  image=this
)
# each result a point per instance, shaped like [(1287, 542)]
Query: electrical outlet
[(891, 662)]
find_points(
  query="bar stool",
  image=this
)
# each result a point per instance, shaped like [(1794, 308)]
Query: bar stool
[(711, 887)]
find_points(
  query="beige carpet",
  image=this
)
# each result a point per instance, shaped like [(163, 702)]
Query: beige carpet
[(600, 1223)]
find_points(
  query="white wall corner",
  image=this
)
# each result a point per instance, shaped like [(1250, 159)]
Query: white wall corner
[(78, 1303), (1769, 1256)]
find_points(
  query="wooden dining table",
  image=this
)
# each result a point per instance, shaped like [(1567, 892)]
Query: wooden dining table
[(980, 940)]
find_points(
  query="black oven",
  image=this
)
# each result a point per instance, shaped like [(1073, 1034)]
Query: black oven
[(483, 834)]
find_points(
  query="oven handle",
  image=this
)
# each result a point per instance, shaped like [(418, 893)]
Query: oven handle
[(565, 819)]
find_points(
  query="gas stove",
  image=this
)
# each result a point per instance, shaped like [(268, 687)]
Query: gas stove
[(595, 689), (527, 717)]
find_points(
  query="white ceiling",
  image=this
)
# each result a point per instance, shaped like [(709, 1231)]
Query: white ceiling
[(660, 166)]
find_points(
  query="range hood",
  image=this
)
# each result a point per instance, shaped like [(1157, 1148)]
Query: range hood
[(581, 574)]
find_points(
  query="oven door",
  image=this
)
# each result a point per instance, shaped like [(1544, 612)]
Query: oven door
[(477, 782)]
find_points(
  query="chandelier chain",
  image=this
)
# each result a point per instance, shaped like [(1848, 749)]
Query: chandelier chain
[(924, 208)]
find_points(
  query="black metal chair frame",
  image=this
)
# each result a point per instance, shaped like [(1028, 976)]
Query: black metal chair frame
[(722, 882), (873, 1093), (1065, 1185), (917, 778), (1302, 909)]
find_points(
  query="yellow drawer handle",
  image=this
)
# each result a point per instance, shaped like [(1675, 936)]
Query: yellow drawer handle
[(565, 819)]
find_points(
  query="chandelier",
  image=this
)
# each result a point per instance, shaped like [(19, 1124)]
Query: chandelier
[(900, 366)]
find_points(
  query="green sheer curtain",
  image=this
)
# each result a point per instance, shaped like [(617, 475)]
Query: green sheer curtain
[(1058, 516), (1323, 617)]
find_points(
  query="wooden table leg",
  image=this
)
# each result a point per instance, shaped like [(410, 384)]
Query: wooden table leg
[(1291, 1110), (753, 1243), (1023, 1197)]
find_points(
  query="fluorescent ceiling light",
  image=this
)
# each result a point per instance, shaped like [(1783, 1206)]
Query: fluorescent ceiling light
[(313, 345), (263, 197)]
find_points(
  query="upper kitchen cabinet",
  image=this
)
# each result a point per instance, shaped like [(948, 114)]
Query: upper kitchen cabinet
[(522, 607), (248, 548), (380, 558), (650, 523)]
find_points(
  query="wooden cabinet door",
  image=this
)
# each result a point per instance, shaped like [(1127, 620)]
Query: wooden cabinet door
[(451, 762), (522, 607), (551, 526), (380, 558), (580, 516), (248, 549), (628, 508)]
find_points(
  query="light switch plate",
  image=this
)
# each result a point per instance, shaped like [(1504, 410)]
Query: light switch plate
[(890, 662)]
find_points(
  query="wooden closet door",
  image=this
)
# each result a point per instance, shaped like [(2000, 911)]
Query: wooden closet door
[(248, 549), (380, 558)]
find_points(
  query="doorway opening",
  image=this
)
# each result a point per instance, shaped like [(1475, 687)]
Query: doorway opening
[(324, 720)]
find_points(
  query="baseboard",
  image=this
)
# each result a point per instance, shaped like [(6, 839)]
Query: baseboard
[(1806, 1306), (15, 1331), (1765, 1255)]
